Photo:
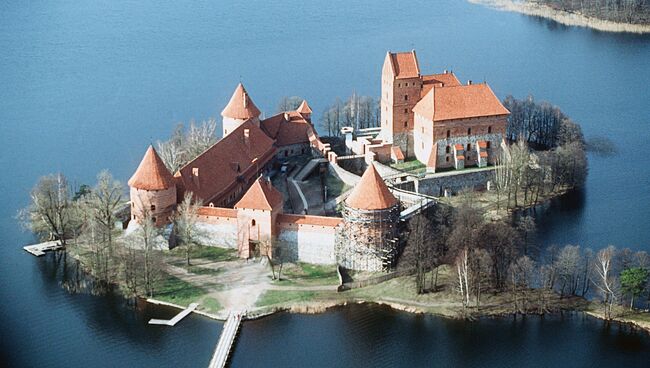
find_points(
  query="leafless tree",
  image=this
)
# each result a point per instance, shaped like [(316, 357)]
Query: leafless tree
[(184, 146), (151, 261), (604, 278), (461, 265), (289, 103), (186, 217), (522, 274)]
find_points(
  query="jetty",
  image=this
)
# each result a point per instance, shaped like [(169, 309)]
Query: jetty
[(176, 319), (224, 346), (40, 249)]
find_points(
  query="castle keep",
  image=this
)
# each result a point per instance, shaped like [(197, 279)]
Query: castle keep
[(429, 117)]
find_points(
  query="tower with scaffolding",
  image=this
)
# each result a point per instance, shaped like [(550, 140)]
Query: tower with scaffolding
[(369, 237)]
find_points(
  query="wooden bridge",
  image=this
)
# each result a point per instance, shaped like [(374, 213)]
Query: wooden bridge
[(176, 319), (225, 344), (40, 249)]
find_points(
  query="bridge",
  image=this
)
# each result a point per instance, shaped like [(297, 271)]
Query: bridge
[(226, 341)]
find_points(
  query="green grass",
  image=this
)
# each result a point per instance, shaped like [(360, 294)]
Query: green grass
[(272, 297), (411, 166), (197, 270), (308, 274), (335, 187), (212, 305), (174, 290), (215, 254)]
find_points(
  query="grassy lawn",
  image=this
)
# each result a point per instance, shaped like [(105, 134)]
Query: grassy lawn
[(198, 270), (215, 254), (211, 305), (411, 166), (308, 274), (335, 187), (272, 297), (174, 290)]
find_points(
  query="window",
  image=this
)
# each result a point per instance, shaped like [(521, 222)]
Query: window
[(469, 131), (448, 133), (153, 219), (422, 130), (469, 147), (448, 149), (399, 85), (153, 207), (252, 222), (487, 145), (406, 97), (422, 144), (489, 129), (406, 123), (406, 111), (286, 153), (447, 158)]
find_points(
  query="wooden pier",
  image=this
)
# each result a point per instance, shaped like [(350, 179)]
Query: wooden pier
[(176, 319), (224, 346), (40, 249)]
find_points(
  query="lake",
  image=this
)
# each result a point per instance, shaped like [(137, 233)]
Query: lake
[(87, 86)]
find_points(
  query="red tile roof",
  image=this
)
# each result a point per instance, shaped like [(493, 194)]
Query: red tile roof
[(309, 220), (217, 212), (261, 196), (304, 108), (460, 102), (220, 166), (371, 193), (240, 105), (438, 80), (405, 65), (287, 128), (152, 174)]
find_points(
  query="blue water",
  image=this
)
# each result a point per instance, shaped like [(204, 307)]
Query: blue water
[(88, 85)]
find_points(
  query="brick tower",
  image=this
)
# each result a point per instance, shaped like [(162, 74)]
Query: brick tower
[(152, 189), (401, 85), (239, 109)]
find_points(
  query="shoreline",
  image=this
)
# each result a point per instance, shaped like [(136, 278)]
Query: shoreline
[(563, 17)]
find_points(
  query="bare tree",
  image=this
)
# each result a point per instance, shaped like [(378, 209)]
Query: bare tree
[(289, 103), (185, 223), (461, 264), (151, 261), (419, 249), (522, 273), (604, 278), (51, 214)]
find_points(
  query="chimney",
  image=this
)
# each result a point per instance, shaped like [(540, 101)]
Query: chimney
[(446, 71), (195, 177), (247, 134), (469, 82), (245, 100), (286, 116)]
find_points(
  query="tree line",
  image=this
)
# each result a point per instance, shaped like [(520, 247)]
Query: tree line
[(548, 154), (357, 111), (624, 11), (184, 145), (87, 221), (496, 256)]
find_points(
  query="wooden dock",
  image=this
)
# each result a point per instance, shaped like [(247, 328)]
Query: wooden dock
[(40, 249), (224, 346), (176, 319)]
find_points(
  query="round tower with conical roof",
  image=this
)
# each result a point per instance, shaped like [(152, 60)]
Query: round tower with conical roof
[(153, 190), (369, 237), (239, 109)]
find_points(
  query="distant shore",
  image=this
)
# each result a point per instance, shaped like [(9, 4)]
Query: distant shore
[(563, 17)]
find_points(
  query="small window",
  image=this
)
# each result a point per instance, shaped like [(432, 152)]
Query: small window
[(406, 111), (406, 123), (406, 97), (252, 222), (448, 133), (487, 145), (447, 159), (399, 85), (469, 131), (153, 219), (489, 129), (286, 153), (448, 149), (153, 207), (469, 147)]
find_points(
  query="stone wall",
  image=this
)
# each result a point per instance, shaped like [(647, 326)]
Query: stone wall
[(293, 150), (453, 181), (308, 243)]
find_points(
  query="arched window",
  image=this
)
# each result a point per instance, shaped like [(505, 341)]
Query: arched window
[(448, 149), (489, 129), (252, 222), (487, 144), (469, 147), (406, 123), (406, 97), (469, 131), (448, 133), (153, 207)]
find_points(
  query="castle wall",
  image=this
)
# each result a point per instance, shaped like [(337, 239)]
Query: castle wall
[(293, 150), (217, 227), (428, 133), (308, 243), (455, 182), (160, 203)]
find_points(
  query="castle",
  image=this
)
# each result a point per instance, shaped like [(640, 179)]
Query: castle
[(433, 118)]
